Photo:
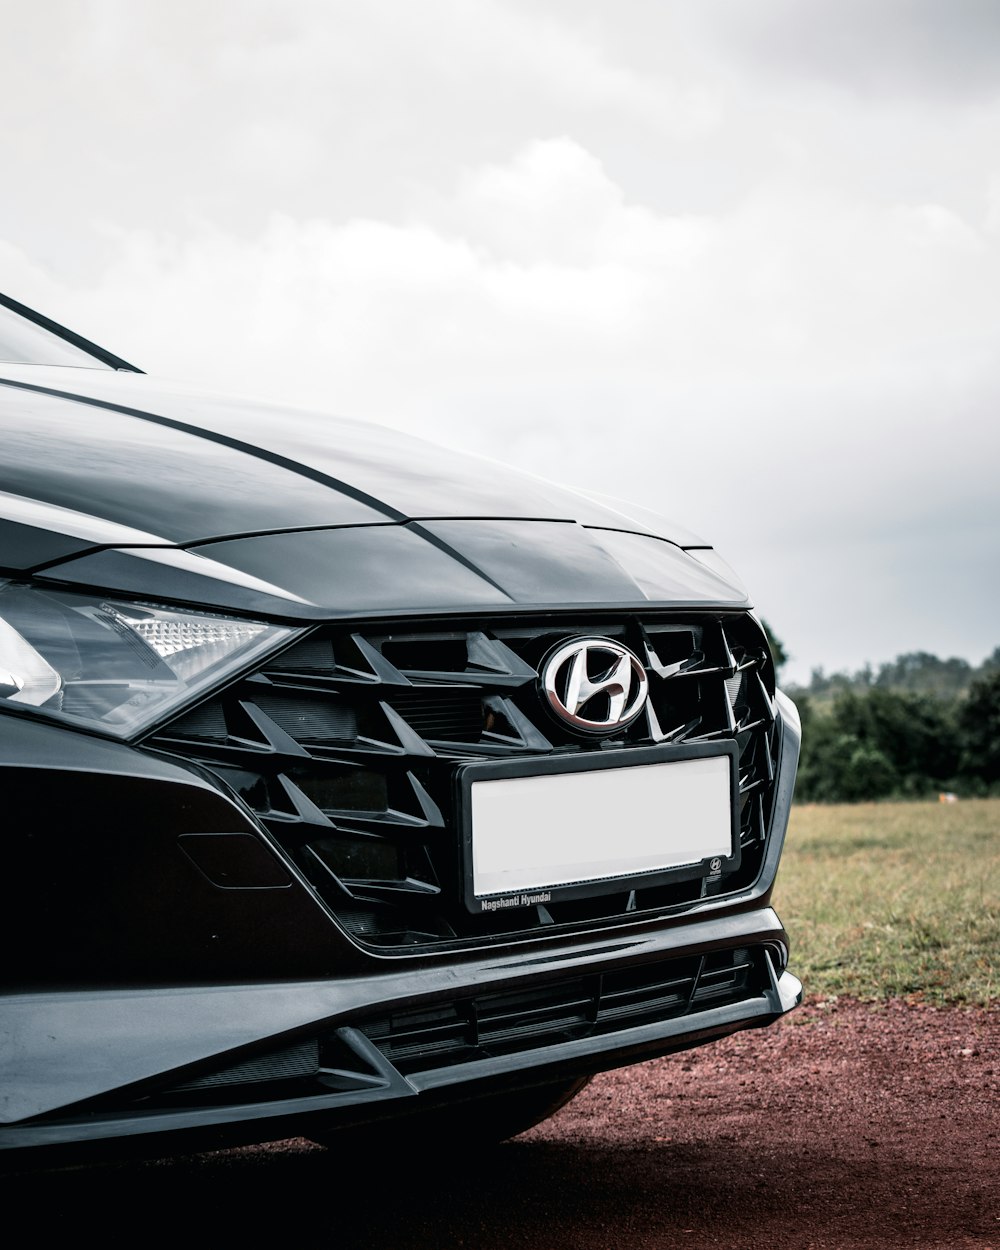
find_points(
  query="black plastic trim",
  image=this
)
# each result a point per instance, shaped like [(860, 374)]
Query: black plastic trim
[(69, 336), (635, 757)]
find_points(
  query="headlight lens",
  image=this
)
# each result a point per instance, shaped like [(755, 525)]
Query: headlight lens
[(112, 665)]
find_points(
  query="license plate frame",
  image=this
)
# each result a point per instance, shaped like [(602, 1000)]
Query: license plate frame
[(711, 852)]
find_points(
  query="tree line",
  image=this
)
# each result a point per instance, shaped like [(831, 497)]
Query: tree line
[(917, 726)]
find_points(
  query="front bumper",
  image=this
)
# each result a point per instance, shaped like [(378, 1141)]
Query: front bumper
[(148, 1049)]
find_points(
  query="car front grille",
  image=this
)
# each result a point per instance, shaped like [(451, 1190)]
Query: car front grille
[(346, 744)]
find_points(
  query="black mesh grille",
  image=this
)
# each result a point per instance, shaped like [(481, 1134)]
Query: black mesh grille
[(491, 1025), (346, 746), (283, 1065), (311, 717)]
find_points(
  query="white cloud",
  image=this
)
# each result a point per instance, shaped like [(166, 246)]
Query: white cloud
[(765, 304)]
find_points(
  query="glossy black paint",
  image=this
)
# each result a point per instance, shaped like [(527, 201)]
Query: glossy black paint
[(333, 517), (139, 426), (56, 1114), (108, 879), (134, 901), (177, 996), (421, 567), (161, 932), (170, 483)]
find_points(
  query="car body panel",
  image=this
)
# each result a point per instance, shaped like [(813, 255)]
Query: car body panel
[(173, 930), (397, 475), (406, 569), (95, 497)]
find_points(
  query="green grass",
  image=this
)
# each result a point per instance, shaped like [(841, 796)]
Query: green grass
[(885, 900)]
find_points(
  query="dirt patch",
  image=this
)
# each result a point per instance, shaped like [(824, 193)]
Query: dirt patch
[(845, 1126)]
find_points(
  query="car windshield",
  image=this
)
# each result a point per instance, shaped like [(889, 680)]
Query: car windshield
[(23, 342)]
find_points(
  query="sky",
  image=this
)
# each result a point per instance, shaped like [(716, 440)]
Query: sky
[(735, 260)]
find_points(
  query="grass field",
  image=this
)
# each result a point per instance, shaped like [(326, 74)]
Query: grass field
[(886, 900)]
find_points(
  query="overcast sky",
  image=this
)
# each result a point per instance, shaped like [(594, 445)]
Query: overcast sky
[(738, 260)]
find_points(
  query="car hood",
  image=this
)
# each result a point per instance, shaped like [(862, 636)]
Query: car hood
[(110, 480)]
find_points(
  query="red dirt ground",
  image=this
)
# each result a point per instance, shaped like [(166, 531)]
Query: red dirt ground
[(844, 1126)]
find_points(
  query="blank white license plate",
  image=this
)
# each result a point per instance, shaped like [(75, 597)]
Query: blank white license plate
[(570, 828)]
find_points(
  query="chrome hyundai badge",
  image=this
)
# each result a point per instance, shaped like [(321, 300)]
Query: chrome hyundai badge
[(594, 684)]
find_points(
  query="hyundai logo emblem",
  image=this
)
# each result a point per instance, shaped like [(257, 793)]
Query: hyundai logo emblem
[(594, 684)]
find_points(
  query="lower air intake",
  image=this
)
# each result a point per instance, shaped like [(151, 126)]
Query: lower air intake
[(491, 1025)]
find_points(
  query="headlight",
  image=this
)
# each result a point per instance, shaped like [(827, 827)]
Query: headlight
[(113, 665)]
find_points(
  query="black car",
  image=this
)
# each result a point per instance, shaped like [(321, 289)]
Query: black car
[(351, 784)]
